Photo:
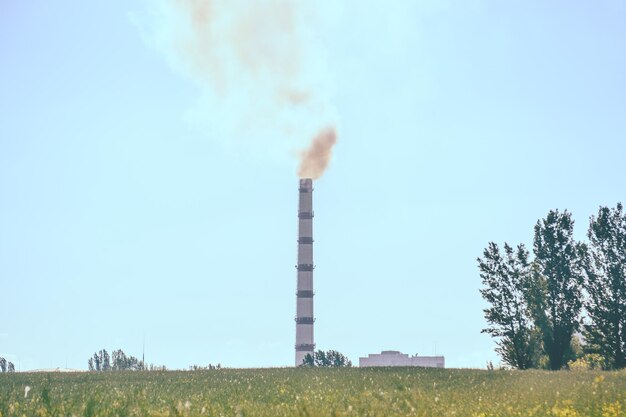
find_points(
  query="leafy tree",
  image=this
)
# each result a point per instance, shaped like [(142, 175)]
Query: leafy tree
[(6, 366), (123, 362), (505, 277), (309, 360), (328, 359), (337, 360), (119, 359), (606, 286), (96, 362), (105, 360), (555, 290), (321, 360)]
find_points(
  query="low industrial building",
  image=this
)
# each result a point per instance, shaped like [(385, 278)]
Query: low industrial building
[(395, 358)]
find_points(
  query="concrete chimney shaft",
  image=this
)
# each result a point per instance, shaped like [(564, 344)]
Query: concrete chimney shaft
[(304, 307)]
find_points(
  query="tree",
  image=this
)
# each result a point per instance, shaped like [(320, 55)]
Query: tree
[(6, 366), (308, 361), (555, 290), (606, 286), (504, 279), (328, 359), (337, 360), (123, 362), (105, 360), (96, 362), (321, 360), (119, 359)]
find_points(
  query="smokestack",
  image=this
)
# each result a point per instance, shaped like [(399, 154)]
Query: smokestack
[(304, 297)]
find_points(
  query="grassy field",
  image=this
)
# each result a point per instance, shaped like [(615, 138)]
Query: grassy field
[(316, 392)]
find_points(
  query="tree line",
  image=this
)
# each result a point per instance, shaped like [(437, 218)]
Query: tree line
[(209, 367), (564, 304), (101, 362)]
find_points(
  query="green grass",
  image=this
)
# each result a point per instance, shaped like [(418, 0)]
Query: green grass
[(317, 392)]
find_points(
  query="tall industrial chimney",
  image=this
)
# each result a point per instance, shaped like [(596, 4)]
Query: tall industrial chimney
[(304, 307)]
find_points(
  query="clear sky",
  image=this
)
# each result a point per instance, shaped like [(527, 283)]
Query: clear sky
[(123, 218)]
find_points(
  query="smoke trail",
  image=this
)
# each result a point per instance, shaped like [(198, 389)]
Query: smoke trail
[(315, 159), (230, 41), (260, 70)]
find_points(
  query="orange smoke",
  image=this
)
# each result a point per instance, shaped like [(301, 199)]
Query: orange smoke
[(223, 43), (261, 66), (197, 48), (313, 161)]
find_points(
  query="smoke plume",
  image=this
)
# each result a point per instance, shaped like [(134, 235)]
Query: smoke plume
[(315, 159), (261, 70)]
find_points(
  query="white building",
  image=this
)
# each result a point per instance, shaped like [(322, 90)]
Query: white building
[(395, 358)]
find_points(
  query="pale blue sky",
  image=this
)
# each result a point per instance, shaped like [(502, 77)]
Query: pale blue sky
[(460, 122)]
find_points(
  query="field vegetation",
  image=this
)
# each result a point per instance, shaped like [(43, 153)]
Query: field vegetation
[(316, 392)]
